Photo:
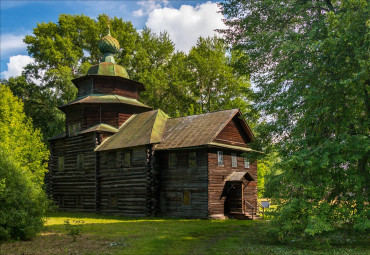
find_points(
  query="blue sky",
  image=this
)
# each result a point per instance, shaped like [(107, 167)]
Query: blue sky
[(184, 20)]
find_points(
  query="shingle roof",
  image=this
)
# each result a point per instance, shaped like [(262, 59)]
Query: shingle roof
[(105, 99), (140, 129), (194, 130), (100, 127)]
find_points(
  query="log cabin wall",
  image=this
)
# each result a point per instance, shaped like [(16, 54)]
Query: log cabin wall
[(123, 189), (115, 86), (183, 188), (217, 179), (85, 87), (73, 188)]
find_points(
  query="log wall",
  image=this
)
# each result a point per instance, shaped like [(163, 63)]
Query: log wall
[(175, 181), (72, 188), (128, 185), (217, 179), (114, 87)]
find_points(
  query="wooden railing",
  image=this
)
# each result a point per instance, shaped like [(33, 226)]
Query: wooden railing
[(252, 210)]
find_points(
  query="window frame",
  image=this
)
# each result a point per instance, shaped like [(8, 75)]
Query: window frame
[(74, 129), (172, 160), (113, 197), (80, 160), (61, 161), (186, 197), (220, 158), (246, 162), (125, 157), (234, 159), (192, 160)]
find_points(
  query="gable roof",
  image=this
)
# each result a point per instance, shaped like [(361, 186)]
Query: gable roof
[(195, 130), (140, 129)]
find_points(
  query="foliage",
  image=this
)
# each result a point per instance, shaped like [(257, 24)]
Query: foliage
[(74, 229), (22, 168), (309, 61)]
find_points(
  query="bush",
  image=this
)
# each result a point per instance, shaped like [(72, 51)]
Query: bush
[(23, 159), (23, 204)]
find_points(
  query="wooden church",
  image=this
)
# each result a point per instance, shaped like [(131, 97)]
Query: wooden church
[(119, 156)]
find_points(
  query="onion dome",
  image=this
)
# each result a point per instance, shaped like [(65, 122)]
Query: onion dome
[(108, 45)]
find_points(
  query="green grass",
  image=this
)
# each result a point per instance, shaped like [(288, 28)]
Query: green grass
[(120, 235)]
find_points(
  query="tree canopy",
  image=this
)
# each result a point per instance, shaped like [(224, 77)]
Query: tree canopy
[(178, 83), (309, 61)]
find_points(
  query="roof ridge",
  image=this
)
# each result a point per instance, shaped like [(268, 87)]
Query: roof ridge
[(205, 113)]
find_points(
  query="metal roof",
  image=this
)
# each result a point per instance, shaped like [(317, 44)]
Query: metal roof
[(238, 176), (105, 99), (194, 130), (100, 127), (140, 129)]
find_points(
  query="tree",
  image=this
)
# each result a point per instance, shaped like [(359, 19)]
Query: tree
[(214, 84), (309, 61), (23, 159)]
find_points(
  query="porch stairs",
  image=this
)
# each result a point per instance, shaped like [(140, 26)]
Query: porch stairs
[(244, 216), (243, 210)]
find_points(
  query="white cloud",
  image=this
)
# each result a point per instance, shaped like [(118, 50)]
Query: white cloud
[(187, 24), (11, 43), (148, 6), (16, 65)]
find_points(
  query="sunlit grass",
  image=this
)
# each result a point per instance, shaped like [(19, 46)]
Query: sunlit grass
[(103, 234)]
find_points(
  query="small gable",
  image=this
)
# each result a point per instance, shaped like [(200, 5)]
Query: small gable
[(236, 132)]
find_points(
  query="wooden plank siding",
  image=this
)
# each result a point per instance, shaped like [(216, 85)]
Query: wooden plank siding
[(217, 179), (233, 134), (174, 181)]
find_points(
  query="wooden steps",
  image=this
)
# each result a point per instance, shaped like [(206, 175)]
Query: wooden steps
[(242, 216)]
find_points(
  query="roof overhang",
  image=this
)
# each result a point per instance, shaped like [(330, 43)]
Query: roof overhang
[(239, 176)]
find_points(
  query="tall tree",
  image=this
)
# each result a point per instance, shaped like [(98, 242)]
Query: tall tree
[(309, 61), (214, 84)]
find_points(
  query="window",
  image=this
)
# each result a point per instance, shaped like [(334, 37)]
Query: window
[(60, 201), (127, 159), (220, 158), (186, 197), (123, 159), (172, 160), (74, 129), (78, 201), (61, 163), (111, 159), (246, 162), (192, 159), (113, 201), (80, 161), (234, 160)]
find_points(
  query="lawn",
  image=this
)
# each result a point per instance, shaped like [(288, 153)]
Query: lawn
[(120, 235)]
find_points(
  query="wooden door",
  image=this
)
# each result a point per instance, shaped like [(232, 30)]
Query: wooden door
[(235, 197)]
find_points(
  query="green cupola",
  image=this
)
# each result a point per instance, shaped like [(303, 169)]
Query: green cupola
[(108, 46)]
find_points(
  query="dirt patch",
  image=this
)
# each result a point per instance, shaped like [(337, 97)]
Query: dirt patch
[(49, 243)]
